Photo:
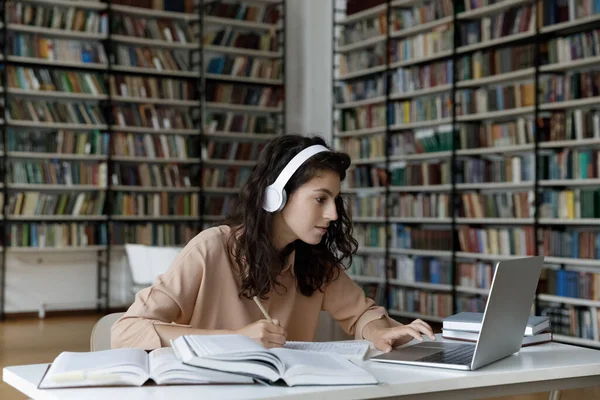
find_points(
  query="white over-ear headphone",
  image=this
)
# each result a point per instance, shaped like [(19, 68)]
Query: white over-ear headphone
[(275, 195)]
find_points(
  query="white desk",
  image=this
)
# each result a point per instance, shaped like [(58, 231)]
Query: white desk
[(540, 368)]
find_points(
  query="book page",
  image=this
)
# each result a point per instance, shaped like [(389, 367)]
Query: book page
[(223, 345), (312, 368), (98, 368), (351, 349), (166, 368)]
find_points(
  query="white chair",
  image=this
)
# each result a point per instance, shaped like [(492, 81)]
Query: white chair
[(148, 262), (100, 338)]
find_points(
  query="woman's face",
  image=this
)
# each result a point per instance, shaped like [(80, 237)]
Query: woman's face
[(311, 208)]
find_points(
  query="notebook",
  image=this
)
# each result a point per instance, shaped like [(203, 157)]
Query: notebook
[(241, 355), (471, 322), (542, 337), (128, 367)]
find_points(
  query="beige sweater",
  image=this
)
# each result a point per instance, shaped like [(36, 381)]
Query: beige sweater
[(200, 290)]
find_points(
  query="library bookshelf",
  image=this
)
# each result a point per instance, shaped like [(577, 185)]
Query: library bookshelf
[(474, 131)]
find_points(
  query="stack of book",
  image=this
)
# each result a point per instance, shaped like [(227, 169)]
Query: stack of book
[(466, 326)]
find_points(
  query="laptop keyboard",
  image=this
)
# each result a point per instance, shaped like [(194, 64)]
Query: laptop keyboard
[(459, 355)]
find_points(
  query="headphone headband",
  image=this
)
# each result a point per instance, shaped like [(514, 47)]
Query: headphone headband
[(275, 196), (295, 163)]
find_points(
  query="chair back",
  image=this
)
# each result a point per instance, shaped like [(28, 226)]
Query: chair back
[(100, 339)]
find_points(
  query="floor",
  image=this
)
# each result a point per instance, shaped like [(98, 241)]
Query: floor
[(29, 341)]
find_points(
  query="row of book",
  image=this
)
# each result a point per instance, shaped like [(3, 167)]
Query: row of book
[(492, 62), (419, 141), (505, 23), (155, 146), (232, 150), (63, 18), (152, 58), (39, 203), (417, 301), (421, 269), (216, 205), (496, 98), (156, 204), (506, 169), (573, 284), (363, 147), (570, 125), (250, 95), (501, 241), (403, 174), (371, 266), (405, 237), (555, 204), (366, 206), (157, 176), (358, 90), (152, 116), (63, 50), (364, 117), (569, 320), (239, 122), (152, 234), (266, 13), (496, 134), (358, 61), (363, 177), (44, 79), (250, 67), (406, 18), (421, 109), (225, 177), (496, 205), (57, 172), (57, 235), (570, 164), (423, 45), (363, 29), (152, 88), (59, 141), (55, 112), (231, 37), (570, 204), (436, 205), (420, 77), (61, 235), (169, 30), (563, 11)]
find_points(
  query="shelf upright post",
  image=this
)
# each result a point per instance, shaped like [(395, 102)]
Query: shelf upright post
[(4, 164)]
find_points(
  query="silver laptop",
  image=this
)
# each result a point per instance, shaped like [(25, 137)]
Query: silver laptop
[(503, 326)]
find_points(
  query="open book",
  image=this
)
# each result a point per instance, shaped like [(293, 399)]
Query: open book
[(241, 355), (128, 367)]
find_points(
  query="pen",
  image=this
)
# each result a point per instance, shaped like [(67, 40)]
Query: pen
[(263, 309)]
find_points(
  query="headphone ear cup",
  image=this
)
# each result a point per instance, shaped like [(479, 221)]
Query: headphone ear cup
[(273, 200), (283, 200)]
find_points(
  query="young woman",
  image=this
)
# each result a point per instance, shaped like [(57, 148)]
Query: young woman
[(288, 249)]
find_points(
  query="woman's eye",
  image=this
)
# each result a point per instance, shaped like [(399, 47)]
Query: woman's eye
[(320, 199)]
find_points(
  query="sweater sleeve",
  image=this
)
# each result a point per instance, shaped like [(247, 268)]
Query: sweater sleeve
[(347, 303), (170, 300)]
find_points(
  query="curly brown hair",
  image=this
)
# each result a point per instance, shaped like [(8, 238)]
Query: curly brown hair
[(250, 244)]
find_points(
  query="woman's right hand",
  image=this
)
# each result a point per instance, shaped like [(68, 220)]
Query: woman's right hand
[(263, 332)]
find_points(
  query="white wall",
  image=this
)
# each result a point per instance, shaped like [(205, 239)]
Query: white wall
[(68, 281)]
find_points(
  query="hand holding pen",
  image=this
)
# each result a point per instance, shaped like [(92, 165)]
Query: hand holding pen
[(267, 332)]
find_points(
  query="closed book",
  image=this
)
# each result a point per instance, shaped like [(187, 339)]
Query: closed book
[(471, 322), (539, 338)]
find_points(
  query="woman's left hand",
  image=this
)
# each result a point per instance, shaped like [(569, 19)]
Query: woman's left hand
[(385, 339)]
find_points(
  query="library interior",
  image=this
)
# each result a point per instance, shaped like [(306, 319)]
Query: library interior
[(459, 136)]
